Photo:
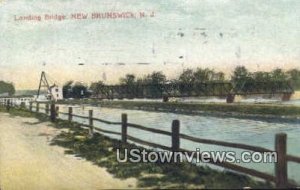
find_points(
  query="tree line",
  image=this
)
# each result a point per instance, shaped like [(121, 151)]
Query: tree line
[(7, 88), (192, 77)]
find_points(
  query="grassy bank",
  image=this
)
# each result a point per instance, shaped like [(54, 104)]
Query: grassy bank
[(101, 151), (222, 109)]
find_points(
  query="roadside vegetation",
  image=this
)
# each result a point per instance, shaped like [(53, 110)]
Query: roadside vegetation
[(101, 150)]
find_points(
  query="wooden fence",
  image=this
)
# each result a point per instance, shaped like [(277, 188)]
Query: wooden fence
[(281, 173)]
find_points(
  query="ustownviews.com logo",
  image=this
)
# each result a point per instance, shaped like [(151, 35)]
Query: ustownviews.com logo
[(137, 155)]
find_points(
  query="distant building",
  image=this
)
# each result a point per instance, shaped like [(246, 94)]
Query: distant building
[(53, 92), (56, 92)]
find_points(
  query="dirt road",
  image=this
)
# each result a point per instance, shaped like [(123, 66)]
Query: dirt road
[(27, 161)]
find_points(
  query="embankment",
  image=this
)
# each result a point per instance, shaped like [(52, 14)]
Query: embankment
[(264, 111)]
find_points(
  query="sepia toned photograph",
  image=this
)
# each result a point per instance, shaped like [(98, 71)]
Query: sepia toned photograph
[(149, 94)]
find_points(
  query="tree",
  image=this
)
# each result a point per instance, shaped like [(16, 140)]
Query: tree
[(261, 76), (152, 84), (96, 87), (278, 75), (187, 76), (157, 78), (240, 74), (79, 90), (203, 75), (129, 80), (241, 79), (220, 76), (294, 77), (7, 87), (67, 89)]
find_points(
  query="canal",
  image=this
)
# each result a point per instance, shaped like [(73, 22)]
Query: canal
[(246, 131)]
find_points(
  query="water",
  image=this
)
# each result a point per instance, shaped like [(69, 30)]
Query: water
[(246, 131), (293, 102), (248, 100)]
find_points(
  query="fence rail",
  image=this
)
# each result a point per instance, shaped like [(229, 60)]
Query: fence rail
[(281, 176), (227, 144), (293, 158), (149, 129), (242, 169), (107, 122), (154, 145)]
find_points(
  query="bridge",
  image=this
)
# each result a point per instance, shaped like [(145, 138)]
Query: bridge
[(225, 89), (16, 99)]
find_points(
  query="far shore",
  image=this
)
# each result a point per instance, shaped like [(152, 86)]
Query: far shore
[(264, 111)]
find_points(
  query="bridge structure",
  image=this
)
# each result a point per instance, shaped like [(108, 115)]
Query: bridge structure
[(222, 89), (16, 99)]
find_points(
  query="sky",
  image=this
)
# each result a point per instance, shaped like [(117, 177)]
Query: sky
[(172, 36)]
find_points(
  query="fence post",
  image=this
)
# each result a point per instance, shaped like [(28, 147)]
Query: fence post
[(37, 107), (47, 109), (30, 106), (91, 123), (52, 112), (7, 105), (70, 113), (281, 164), (175, 135), (23, 106), (57, 111), (124, 128)]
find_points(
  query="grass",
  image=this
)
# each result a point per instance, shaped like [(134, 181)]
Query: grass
[(101, 150), (214, 107)]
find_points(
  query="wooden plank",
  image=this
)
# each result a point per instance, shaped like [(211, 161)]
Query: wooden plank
[(175, 135), (149, 129), (57, 111), (240, 169), (47, 109), (107, 122), (80, 116), (293, 158), (91, 123), (154, 145), (63, 113), (70, 113), (226, 144), (52, 112), (37, 107), (124, 128), (281, 164), (245, 170), (106, 131)]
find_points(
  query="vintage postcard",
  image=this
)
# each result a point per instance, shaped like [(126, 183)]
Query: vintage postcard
[(149, 94)]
